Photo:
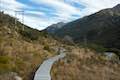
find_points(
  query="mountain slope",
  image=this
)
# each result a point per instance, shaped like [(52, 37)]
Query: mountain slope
[(53, 28), (102, 28), (22, 50), (85, 65)]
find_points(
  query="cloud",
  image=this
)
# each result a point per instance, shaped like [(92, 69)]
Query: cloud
[(11, 5), (48, 12), (93, 6), (35, 13), (63, 10), (37, 23)]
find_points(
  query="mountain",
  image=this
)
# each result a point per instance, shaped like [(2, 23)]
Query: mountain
[(97, 30), (53, 28), (101, 28)]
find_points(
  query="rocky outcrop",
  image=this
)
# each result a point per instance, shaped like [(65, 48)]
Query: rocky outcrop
[(10, 76)]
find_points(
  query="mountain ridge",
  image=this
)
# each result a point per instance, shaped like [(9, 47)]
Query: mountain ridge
[(54, 27), (101, 28)]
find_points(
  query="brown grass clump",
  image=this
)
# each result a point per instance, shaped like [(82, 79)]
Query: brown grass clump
[(23, 57), (82, 65)]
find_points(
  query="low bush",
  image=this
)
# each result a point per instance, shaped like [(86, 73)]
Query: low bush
[(46, 47), (4, 68), (97, 48), (30, 34), (4, 59), (4, 64)]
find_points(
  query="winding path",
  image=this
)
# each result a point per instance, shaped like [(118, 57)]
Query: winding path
[(43, 72)]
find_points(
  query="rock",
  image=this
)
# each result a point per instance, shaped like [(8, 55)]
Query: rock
[(17, 78), (10, 76)]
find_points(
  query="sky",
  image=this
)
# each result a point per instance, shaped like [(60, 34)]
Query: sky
[(40, 14)]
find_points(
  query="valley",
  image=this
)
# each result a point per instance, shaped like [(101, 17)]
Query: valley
[(90, 48)]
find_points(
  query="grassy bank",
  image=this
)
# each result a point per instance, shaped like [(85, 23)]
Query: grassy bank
[(81, 64)]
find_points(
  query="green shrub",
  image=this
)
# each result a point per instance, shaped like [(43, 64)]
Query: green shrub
[(4, 64), (32, 35), (46, 47), (97, 48), (19, 65), (4, 59), (4, 68), (44, 34)]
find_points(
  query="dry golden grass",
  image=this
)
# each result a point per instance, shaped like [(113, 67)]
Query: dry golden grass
[(22, 51), (24, 57), (82, 65)]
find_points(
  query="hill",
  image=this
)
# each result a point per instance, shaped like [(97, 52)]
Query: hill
[(99, 31), (102, 28), (22, 49), (53, 28)]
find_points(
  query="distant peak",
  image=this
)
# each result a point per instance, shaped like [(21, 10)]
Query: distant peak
[(117, 6), (60, 23)]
